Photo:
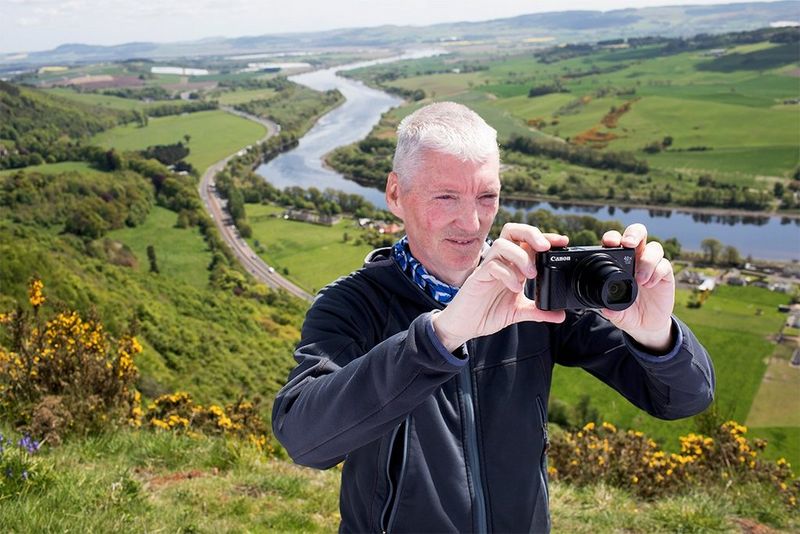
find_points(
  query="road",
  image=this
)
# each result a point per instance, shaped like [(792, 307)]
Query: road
[(215, 205)]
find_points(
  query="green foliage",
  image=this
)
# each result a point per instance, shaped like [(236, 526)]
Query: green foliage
[(295, 107), (87, 205), (166, 154)]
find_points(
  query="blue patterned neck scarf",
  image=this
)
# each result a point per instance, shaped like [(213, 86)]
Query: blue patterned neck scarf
[(441, 292)]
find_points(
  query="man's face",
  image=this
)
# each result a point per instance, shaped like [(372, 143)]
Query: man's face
[(448, 209)]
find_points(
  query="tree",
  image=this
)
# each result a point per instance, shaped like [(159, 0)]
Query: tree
[(778, 189), (730, 255), (151, 256), (584, 238), (711, 249)]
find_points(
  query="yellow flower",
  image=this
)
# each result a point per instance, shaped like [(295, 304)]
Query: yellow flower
[(635, 479), (35, 296), (588, 426)]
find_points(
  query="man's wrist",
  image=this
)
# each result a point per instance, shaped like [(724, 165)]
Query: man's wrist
[(450, 341), (658, 342)]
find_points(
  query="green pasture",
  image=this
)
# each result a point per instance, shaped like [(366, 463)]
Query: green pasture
[(96, 99), (214, 135), (779, 388), (231, 98), (315, 255), (180, 252), (774, 160), (441, 85)]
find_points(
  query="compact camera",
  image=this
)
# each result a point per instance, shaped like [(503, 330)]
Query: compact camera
[(585, 277)]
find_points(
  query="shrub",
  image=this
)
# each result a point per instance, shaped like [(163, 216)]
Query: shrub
[(64, 373), (629, 459), (177, 412)]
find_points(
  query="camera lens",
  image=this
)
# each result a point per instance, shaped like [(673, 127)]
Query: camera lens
[(619, 291), (600, 282)]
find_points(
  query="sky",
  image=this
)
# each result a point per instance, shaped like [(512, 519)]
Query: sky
[(32, 25)]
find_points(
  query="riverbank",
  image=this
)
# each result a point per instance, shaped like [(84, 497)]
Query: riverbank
[(719, 212)]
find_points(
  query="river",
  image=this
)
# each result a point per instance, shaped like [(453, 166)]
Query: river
[(760, 236)]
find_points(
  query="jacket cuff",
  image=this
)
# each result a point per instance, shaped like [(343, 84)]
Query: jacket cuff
[(650, 357), (450, 357)]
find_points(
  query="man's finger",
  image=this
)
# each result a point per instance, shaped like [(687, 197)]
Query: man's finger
[(646, 264), (612, 238), (506, 274), (512, 253), (635, 236), (662, 271), (526, 233), (527, 311)]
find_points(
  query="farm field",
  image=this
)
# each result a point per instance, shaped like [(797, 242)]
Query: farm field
[(314, 255), (725, 104), (214, 135), (180, 252), (231, 98)]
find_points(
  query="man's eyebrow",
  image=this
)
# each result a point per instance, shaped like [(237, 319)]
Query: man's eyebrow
[(492, 191)]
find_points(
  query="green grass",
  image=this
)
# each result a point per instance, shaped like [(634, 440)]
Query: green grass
[(214, 135), (94, 99), (315, 255), (147, 481), (158, 482), (778, 388), (231, 98), (180, 252)]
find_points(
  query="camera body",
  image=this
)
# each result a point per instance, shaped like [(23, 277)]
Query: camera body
[(585, 277)]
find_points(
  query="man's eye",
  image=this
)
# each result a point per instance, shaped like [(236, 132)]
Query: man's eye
[(444, 197)]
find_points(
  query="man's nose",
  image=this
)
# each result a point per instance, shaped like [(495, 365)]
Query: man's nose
[(469, 220)]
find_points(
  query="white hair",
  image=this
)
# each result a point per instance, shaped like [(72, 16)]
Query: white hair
[(444, 127)]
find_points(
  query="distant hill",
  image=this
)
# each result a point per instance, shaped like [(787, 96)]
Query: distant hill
[(556, 27)]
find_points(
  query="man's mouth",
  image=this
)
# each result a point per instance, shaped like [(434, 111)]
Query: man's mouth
[(461, 242)]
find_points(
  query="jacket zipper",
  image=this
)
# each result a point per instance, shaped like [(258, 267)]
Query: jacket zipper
[(545, 447), (389, 509), (473, 459)]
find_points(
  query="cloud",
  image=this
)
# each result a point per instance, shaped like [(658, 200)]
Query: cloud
[(27, 22)]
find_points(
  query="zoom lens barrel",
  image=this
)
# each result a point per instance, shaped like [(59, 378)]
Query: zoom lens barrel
[(600, 282)]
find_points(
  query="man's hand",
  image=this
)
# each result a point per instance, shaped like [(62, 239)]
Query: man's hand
[(648, 320), (492, 297)]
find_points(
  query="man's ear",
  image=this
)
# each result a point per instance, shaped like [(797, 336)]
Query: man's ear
[(393, 195)]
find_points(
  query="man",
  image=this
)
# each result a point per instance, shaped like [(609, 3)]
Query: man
[(428, 370)]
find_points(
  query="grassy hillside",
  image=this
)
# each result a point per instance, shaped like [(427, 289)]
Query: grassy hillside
[(213, 135), (145, 481)]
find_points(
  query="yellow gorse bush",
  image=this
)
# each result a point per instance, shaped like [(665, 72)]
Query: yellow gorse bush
[(177, 412), (631, 460), (64, 373)]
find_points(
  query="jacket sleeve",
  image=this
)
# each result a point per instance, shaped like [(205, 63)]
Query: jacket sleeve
[(349, 388), (671, 386)]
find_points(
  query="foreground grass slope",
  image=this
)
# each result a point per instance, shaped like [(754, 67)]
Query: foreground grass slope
[(161, 482)]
